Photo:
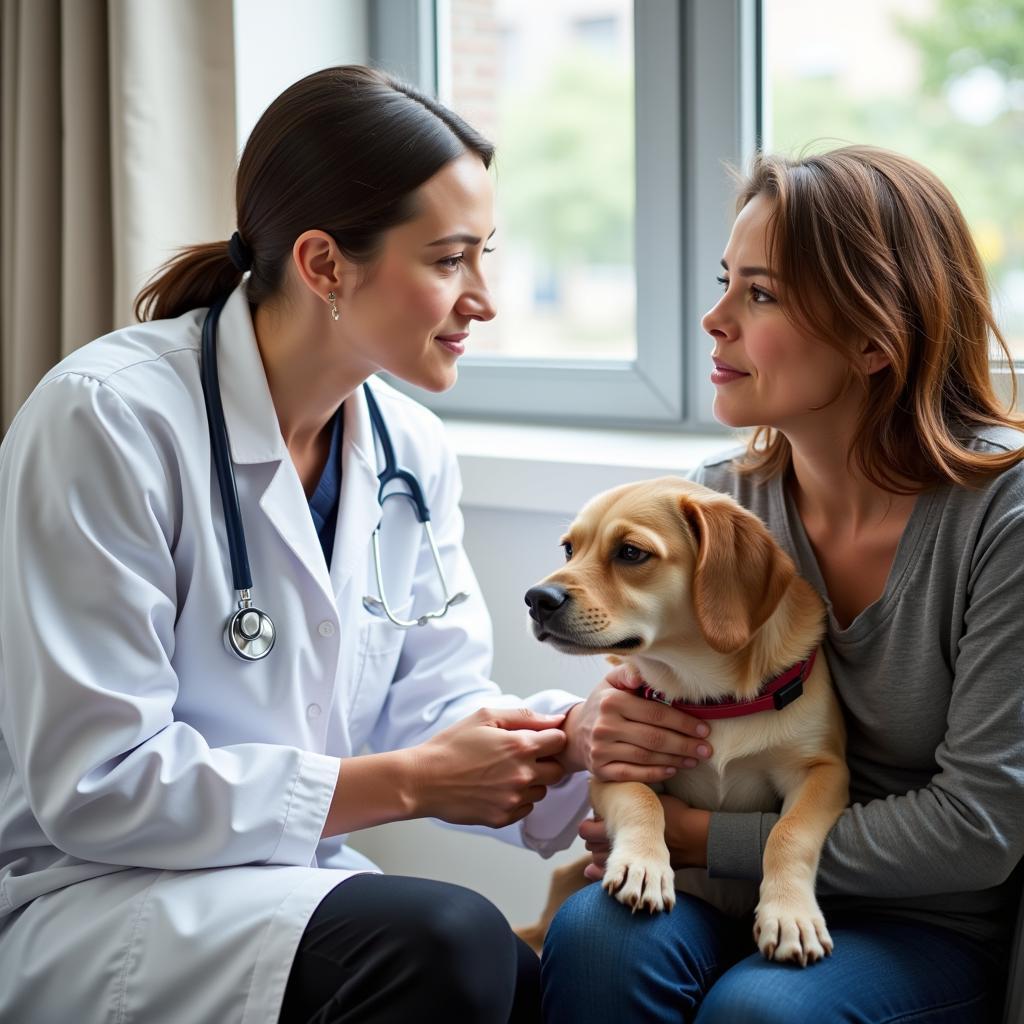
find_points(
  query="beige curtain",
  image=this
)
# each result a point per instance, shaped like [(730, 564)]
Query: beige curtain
[(117, 145)]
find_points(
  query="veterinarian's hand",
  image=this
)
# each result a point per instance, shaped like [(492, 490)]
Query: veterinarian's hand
[(619, 737), (488, 769)]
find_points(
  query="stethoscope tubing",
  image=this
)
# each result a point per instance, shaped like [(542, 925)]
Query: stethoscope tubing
[(250, 632), (241, 574)]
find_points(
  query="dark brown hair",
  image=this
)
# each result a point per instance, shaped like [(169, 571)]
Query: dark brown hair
[(342, 150), (867, 244)]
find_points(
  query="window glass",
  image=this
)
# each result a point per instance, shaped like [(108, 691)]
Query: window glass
[(550, 82), (939, 80)]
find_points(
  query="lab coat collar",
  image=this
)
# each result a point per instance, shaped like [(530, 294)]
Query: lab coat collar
[(249, 412), (358, 511)]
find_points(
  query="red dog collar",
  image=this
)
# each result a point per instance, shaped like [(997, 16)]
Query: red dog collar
[(773, 695)]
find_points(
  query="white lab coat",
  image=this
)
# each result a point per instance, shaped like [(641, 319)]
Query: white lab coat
[(161, 801)]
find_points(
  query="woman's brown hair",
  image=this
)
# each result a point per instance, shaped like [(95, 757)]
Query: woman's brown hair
[(870, 245), (342, 150)]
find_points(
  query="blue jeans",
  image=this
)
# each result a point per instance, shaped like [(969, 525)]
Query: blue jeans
[(603, 964)]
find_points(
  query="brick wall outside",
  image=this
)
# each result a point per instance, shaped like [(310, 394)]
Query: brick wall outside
[(475, 71)]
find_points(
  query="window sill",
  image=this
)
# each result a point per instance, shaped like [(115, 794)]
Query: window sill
[(525, 468)]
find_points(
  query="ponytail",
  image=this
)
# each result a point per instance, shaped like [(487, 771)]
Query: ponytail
[(194, 278)]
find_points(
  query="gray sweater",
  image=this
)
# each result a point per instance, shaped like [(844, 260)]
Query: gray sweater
[(931, 679)]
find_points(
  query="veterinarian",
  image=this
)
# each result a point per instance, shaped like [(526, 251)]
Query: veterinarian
[(854, 333), (231, 561)]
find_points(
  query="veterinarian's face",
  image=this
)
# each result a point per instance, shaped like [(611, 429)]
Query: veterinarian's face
[(412, 313), (767, 371)]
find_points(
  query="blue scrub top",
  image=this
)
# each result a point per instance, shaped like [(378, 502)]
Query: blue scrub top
[(323, 503)]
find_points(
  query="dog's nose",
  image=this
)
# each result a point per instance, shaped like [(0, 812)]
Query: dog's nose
[(544, 601)]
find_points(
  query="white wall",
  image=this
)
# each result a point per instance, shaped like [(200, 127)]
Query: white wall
[(277, 43)]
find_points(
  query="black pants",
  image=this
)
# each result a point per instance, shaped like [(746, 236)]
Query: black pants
[(384, 949)]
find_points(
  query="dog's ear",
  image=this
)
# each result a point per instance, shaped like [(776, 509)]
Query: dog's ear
[(741, 572)]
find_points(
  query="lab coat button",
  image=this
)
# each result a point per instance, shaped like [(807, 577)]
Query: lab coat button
[(313, 711), (326, 628)]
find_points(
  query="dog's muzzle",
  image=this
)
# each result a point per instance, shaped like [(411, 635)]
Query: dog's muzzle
[(550, 608)]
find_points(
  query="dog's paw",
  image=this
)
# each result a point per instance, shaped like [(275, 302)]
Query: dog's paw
[(791, 934), (641, 881)]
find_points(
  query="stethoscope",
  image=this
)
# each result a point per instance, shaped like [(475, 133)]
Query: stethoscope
[(250, 631)]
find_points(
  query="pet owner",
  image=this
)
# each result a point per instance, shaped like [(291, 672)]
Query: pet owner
[(202, 628), (854, 332)]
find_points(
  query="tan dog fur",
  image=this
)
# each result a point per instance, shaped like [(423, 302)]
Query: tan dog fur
[(715, 610)]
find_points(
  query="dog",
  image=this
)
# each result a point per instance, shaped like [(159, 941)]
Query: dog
[(690, 589)]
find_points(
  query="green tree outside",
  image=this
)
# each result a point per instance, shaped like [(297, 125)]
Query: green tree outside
[(566, 161), (981, 162)]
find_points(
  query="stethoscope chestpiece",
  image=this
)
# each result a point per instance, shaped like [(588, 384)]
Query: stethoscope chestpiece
[(250, 633)]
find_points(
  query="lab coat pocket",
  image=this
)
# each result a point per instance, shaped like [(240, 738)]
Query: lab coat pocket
[(379, 636), (379, 647)]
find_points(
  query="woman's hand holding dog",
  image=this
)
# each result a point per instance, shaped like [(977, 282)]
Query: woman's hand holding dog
[(488, 769), (619, 737), (686, 835)]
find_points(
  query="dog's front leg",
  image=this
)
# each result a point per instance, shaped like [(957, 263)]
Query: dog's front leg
[(638, 872), (788, 923)]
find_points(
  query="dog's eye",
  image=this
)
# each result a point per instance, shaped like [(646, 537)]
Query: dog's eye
[(632, 554), (567, 548)]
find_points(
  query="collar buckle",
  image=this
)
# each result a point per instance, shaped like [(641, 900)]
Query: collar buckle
[(787, 694)]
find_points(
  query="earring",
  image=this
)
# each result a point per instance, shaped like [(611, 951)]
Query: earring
[(334, 306)]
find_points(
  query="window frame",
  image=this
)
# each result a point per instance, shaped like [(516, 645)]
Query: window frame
[(698, 88)]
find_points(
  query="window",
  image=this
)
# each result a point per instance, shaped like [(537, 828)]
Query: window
[(554, 89), (609, 331), (618, 341)]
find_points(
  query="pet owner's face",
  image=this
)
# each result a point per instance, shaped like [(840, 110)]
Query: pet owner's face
[(411, 311), (768, 372)]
